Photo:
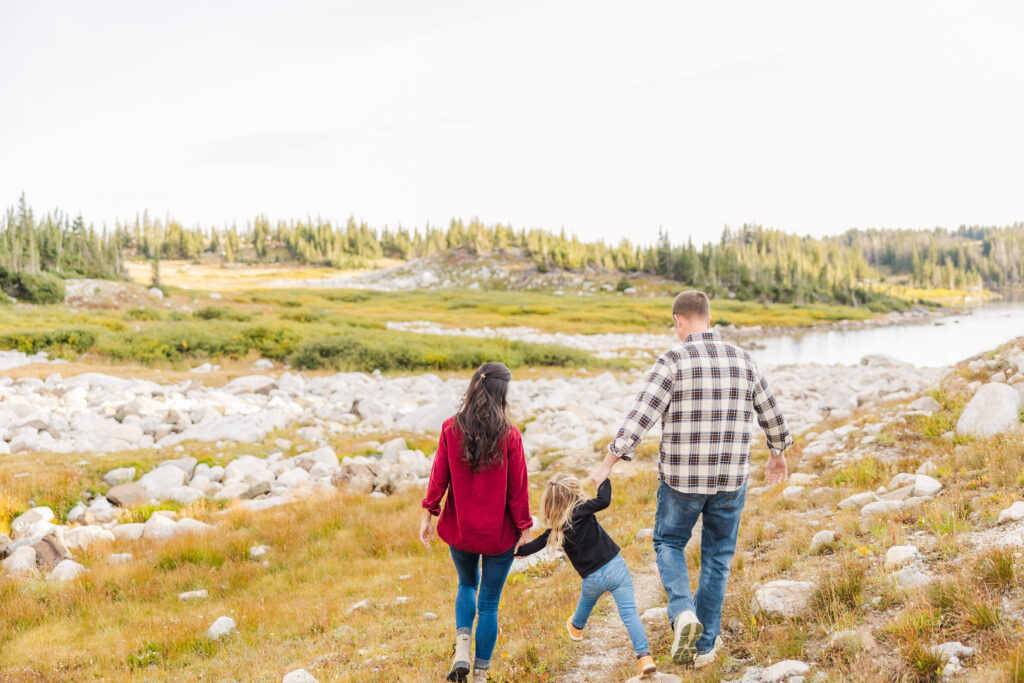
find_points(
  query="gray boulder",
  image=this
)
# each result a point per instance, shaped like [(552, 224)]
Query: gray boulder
[(784, 598), (50, 551), (159, 481), (127, 495), (122, 475)]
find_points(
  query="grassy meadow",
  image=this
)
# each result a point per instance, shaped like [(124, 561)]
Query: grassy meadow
[(345, 329)]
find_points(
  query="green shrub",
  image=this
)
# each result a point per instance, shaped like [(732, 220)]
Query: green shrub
[(144, 313), (35, 288), (57, 342), (221, 313)]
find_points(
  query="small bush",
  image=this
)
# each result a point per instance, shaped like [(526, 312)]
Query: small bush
[(57, 342), (144, 313), (997, 569), (312, 315), (35, 288), (221, 313), (201, 557)]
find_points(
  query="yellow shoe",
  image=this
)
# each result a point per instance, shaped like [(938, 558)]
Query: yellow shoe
[(574, 633), (645, 667)]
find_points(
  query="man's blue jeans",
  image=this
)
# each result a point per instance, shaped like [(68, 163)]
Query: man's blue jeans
[(673, 524), (614, 578), (485, 606)]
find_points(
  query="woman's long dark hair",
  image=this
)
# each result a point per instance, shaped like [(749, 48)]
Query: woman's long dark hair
[(483, 416)]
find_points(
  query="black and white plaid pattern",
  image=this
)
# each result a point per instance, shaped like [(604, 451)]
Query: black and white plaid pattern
[(706, 393)]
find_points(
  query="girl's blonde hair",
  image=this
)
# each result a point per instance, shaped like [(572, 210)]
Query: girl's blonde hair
[(561, 497)]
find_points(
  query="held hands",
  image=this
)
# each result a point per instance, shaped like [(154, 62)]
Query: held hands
[(600, 474), (426, 528), (775, 470), (525, 538)]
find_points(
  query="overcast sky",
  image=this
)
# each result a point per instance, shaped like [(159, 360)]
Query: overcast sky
[(608, 119)]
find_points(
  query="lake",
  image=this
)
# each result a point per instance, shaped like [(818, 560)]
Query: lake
[(943, 342)]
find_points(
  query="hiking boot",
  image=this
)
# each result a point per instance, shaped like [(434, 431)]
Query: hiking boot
[(706, 658), (687, 630), (574, 633), (479, 675), (645, 667), (460, 662)]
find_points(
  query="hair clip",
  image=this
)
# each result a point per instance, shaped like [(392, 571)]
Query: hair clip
[(483, 375)]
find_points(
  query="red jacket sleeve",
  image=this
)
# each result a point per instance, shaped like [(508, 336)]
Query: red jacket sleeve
[(518, 484), (440, 476)]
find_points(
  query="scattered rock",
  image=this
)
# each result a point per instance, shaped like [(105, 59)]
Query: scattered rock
[(119, 558), (784, 670), (856, 501), (298, 676), (793, 492), (659, 677), (81, 537), (1013, 513), (194, 595), (258, 551), (822, 538), (784, 598), (159, 481), (908, 577), (127, 495), (50, 551), (881, 507), (644, 534), (21, 562), (25, 522), (899, 556), (429, 616), (67, 570), (925, 404), (364, 604), (654, 614), (122, 475), (221, 628)]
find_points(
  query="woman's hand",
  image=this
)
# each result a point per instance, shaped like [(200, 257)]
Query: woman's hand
[(524, 538), (426, 528)]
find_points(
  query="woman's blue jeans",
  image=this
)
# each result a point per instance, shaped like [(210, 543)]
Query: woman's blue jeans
[(613, 578), (483, 607)]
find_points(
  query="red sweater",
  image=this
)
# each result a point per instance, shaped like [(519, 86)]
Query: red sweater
[(485, 512)]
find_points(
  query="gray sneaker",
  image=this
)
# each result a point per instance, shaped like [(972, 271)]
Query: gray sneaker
[(704, 659), (687, 630)]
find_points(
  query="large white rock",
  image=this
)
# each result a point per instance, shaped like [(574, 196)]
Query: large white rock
[(881, 507), (298, 676), (187, 525), (158, 527), (81, 537), (908, 577), (161, 480), (822, 538), (24, 523), (1014, 513), (995, 409), (782, 671), (194, 595), (925, 404), (20, 562), (186, 495), (67, 570), (294, 477), (784, 598), (900, 555), (128, 532), (221, 628), (926, 486), (122, 475), (856, 501)]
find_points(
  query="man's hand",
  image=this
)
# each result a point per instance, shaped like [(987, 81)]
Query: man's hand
[(775, 470), (526, 537), (426, 528), (604, 469)]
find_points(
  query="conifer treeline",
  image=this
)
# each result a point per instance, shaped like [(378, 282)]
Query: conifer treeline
[(751, 262)]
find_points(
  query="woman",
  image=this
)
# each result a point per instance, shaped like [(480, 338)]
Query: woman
[(481, 466)]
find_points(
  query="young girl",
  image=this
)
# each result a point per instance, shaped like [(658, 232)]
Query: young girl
[(574, 528), (480, 471)]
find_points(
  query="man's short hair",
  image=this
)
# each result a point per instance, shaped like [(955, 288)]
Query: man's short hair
[(692, 304)]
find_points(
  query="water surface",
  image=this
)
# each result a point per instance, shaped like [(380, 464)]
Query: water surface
[(944, 342)]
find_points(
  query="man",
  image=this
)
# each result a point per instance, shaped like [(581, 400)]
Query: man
[(706, 393)]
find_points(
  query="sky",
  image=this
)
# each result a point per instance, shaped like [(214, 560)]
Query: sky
[(609, 120)]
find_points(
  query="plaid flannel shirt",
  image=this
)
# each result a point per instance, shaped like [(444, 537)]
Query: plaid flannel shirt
[(705, 392)]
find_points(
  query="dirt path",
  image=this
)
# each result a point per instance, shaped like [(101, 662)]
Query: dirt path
[(606, 645)]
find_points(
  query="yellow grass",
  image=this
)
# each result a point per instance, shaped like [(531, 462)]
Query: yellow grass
[(189, 275)]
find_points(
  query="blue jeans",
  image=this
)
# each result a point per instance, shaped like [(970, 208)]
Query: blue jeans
[(614, 578), (485, 606), (673, 524)]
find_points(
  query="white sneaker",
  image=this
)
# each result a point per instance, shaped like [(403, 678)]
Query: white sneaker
[(687, 630), (702, 660)]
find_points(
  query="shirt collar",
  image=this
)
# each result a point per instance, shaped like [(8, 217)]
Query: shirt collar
[(710, 335)]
